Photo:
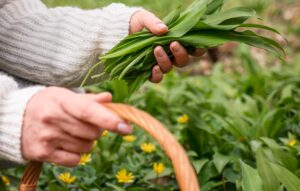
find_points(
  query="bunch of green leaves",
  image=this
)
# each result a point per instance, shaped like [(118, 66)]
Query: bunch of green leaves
[(202, 25)]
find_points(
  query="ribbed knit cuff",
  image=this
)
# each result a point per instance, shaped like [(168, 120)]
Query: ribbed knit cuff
[(12, 107), (116, 24)]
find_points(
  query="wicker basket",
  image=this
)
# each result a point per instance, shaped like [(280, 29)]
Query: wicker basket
[(185, 174)]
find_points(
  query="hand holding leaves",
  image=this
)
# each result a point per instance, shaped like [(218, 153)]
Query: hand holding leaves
[(146, 20)]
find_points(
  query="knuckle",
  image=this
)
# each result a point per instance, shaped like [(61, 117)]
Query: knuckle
[(47, 115), (86, 112), (92, 133), (47, 136)]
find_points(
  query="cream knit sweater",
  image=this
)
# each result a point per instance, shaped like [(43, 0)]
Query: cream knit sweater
[(51, 47)]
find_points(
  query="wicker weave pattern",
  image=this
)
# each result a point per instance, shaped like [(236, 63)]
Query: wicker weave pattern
[(185, 174)]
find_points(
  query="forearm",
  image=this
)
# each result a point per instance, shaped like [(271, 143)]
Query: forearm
[(57, 46), (13, 101)]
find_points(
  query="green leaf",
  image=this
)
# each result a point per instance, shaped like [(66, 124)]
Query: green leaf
[(214, 6), (199, 164), (204, 26), (251, 180), (290, 181), (237, 12), (172, 17), (220, 161), (115, 187), (258, 26), (270, 182), (271, 123), (188, 19), (120, 91), (55, 187)]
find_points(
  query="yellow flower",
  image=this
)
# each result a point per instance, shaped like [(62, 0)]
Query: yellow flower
[(158, 168), (183, 119), (85, 158), (105, 133), (292, 143), (148, 147), (124, 177), (5, 180), (67, 178), (129, 138)]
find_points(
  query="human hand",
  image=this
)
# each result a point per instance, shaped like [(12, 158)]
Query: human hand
[(144, 19), (59, 125)]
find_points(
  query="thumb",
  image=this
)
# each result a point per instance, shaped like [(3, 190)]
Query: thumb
[(146, 19)]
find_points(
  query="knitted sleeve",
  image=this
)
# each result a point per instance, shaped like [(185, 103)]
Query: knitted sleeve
[(56, 46), (13, 101)]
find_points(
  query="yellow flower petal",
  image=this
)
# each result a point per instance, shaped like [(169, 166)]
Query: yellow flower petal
[(158, 168), (183, 119), (67, 178), (5, 180), (85, 158), (129, 138), (292, 143), (148, 147), (105, 133), (125, 177)]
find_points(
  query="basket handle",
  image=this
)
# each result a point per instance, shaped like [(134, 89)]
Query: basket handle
[(185, 174)]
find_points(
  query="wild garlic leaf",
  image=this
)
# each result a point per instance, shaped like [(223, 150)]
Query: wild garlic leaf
[(220, 17), (214, 6), (251, 180), (188, 20)]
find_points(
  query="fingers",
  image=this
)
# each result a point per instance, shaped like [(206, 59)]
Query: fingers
[(65, 158), (163, 59), (199, 52), (79, 129), (157, 74), (145, 19), (94, 113), (73, 145), (181, 55)]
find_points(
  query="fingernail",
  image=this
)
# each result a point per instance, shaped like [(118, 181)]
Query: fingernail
[(175, 48), (160, 53), (124, 128), (162, 26)]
